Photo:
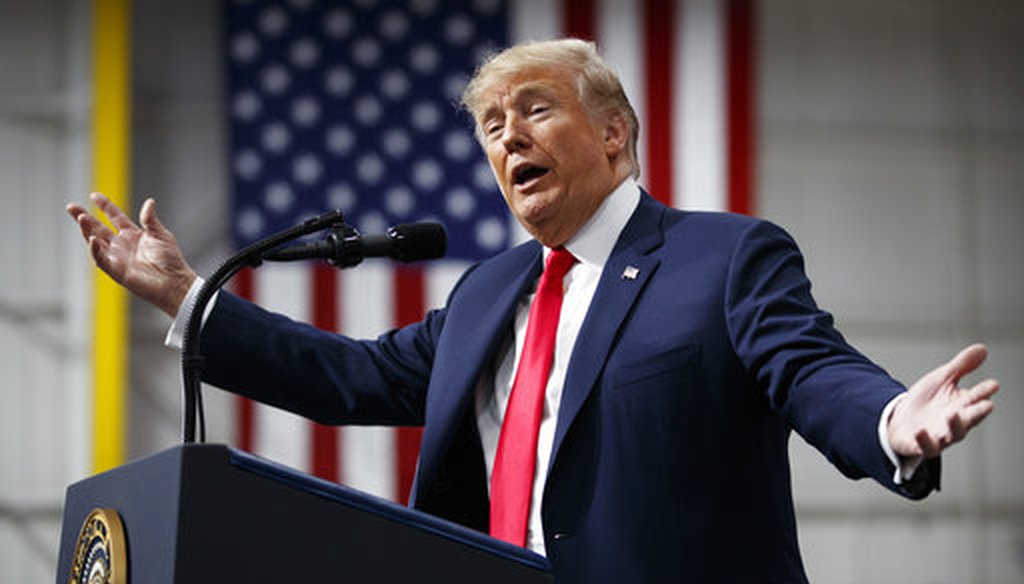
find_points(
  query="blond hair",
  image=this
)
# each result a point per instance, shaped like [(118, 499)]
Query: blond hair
[(600, 90)]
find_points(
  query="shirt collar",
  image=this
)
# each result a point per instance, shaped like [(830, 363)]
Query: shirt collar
[(594, 242)]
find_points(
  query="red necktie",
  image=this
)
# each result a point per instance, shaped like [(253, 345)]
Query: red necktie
[(516, 458)]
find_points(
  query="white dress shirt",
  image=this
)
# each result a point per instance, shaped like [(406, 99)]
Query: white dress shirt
[(592, 246)]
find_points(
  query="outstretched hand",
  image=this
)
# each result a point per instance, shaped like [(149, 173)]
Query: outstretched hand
[(937, 412), (146, 260)]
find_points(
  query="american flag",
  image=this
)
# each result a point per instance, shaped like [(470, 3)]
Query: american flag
[(351, 105)]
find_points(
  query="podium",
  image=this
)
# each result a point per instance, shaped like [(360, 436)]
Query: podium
[(207, 513)]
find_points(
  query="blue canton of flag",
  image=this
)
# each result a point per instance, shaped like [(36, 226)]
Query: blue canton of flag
[(351, 105)]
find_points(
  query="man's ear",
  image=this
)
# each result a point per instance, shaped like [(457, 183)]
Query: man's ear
[(616, 134)]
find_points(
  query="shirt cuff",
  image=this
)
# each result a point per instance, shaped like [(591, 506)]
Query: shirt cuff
[(175, 338), (905, 466)]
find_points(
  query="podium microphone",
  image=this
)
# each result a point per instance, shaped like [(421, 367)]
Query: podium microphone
[(344, 246)]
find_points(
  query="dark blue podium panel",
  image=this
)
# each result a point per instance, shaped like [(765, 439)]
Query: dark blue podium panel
[(206, 513)]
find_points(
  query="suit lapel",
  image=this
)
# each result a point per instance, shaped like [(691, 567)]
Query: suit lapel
[(479, 320), (627, 272)]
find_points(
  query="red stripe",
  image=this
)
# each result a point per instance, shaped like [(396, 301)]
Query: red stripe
[(243, 285), (324, 460), (409, 307), (658, 19), (578, 19), (740, 83)]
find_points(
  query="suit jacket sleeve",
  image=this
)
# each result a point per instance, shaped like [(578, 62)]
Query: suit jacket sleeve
[(830, 393), (326, 377)]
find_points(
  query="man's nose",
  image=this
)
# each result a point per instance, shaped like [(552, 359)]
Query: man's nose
[(515, 136)]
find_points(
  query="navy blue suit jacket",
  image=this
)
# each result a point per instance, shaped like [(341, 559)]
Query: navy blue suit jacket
[(670, 454)]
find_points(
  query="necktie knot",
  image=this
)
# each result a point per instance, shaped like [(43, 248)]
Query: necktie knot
[(558, 264)]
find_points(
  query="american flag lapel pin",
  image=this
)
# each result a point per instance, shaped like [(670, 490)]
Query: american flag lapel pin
[(630, 273)]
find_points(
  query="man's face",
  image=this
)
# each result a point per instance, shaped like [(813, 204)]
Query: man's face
[(552, 159)]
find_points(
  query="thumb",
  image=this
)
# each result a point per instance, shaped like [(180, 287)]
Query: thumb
[(967, 360), (150, 222)]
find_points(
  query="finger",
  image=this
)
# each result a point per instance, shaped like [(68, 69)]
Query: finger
[(958, 427), (973, 414), (150, 221), (982, 391), (114, 213), (98, 251), (967, 360), (93, 227), (929, 447)]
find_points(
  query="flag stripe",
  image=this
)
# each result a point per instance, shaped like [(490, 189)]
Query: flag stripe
[(658, 62), (245, 416), (325, 459), (410, 294), (740, 85), (578, 19)]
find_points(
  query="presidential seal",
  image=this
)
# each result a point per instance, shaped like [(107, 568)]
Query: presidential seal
[(100, 556)]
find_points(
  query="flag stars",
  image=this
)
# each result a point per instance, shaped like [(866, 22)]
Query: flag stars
[(341, 196), (275, 79), (276, 137), (460, 203), (426, 116), (368, 110), (370, 169), (339, 81), (249, 222), (424, 58), (394, 84), (394, 25), (340, 140), (423, 7), (399, 201), (427, 174), (338, 24), (245, 47), (307, 169), (246, 106), (491, 234), (273, 21), (459, 30), (458, 145), (306, 111), (279, 197), (396, 142), (366, 52), (247, 164), (304, 53)]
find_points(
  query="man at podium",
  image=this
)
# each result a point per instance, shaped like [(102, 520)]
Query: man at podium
[(617, 393)]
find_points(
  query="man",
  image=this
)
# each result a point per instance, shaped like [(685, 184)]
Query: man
[(687, 347)]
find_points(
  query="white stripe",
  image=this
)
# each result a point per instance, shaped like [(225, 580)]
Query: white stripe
[(619, 33), (366, 299), (368, 457), (440, 279), (699, 107), (282, 436), (534, 20), (365, 307)]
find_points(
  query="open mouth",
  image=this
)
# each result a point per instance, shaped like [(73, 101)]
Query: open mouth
[(528, 173)]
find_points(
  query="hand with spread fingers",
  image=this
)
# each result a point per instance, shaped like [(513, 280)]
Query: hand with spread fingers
[(937, 412), (144, 258)]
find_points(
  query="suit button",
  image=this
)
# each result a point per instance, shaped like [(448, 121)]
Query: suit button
[(559, 536)]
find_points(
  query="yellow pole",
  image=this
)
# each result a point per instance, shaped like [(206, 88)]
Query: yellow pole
[(111, 164)]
